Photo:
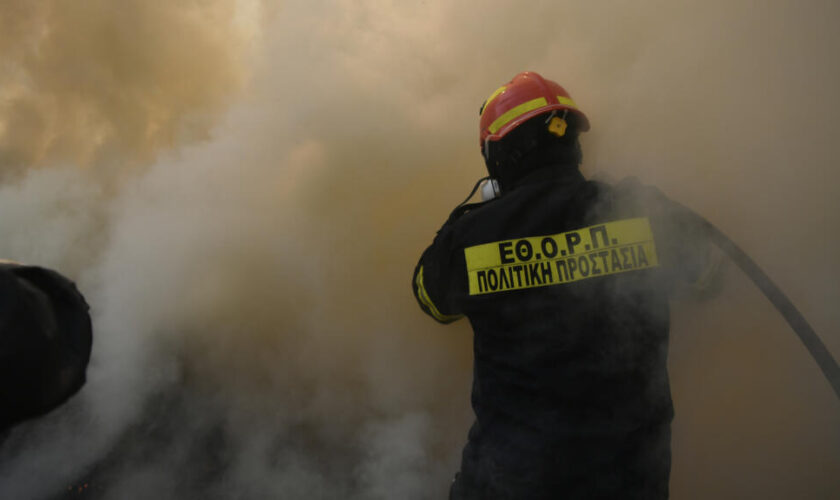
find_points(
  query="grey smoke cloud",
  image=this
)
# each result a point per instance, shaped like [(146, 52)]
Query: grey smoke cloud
[(246, 235)]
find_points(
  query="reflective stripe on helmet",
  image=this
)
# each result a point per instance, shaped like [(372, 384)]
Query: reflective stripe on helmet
[(516, 112), (492, 96), (566, 101)]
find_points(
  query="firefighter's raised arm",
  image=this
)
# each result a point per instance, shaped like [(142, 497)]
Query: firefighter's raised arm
[(431, 281)]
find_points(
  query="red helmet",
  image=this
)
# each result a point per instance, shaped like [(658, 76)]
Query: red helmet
[(524, 97)]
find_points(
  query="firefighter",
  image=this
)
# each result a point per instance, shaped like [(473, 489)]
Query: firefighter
[(45, 341), (565, 282)]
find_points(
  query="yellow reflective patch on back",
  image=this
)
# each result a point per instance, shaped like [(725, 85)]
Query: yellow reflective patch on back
[(516, 112), (603, 249)]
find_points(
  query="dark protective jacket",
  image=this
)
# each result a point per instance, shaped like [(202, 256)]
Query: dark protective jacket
[(45, 341), (565, 283)]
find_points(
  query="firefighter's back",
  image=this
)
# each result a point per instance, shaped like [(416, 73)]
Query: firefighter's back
[(570, 389)]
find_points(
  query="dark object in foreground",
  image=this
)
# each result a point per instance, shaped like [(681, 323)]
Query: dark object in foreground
[(45, 341)]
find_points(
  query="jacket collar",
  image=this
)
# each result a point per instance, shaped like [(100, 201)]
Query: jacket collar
[(565, 174)]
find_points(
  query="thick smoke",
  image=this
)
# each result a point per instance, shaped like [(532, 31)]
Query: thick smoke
[(242, 190), (111, 84)]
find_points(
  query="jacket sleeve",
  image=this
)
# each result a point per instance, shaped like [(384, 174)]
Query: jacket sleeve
[(686, 252), (433, 277)]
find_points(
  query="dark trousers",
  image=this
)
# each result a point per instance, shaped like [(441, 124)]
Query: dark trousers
[(629, 466)]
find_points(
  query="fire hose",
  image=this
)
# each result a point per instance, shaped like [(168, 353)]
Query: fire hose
[(780, 301)]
